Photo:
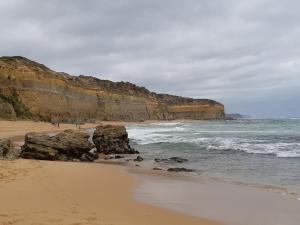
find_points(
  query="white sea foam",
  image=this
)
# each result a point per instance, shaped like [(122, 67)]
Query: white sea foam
[(166, 124), (282, 150), (252, 143)]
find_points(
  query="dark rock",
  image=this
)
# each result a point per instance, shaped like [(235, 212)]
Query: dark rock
[(180, 170), (8, 150), (119, 157), (172, 159), (138, 159), (66, 145), (89, 157), (157, 168), (112, 139), (108, 157)]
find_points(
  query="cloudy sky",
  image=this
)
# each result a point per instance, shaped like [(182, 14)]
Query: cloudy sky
[(245, 54)]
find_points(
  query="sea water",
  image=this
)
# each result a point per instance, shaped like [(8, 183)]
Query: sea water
[(263, 152)]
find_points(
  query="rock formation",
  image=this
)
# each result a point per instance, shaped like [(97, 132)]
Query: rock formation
[(112, 139), (8, 150), (31, 90), (67, 145)]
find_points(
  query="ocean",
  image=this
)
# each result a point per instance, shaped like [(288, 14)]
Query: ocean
[(259, 152)]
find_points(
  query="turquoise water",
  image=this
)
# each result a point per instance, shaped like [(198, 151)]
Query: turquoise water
[(261, 152)]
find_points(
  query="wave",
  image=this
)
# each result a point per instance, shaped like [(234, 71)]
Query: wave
[(280, 149), (167, 124), (284, 142)]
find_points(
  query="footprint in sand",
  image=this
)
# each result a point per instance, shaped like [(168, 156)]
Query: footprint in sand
[(10, 222)]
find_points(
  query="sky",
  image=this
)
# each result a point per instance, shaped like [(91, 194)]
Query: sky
[(245, 54)]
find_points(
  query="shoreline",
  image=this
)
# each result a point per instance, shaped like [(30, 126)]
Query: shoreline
[(229, 203), (24, 183), (147, 181), (48, 192)]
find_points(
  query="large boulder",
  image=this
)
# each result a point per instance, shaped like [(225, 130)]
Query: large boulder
[(8, 150), (112, 139), (67, 145)]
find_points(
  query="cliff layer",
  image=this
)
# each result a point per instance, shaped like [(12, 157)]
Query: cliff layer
[(31, 90)]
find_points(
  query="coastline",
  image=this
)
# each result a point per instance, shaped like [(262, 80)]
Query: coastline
[(73, 193), (46, 192), (186, 197)]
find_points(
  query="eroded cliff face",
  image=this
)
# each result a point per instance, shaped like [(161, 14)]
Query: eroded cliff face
[(31, 90)]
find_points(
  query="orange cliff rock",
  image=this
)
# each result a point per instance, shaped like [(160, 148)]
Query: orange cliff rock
[(33, 91)]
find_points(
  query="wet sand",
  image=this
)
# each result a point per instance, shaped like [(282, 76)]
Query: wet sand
[(63, 193), (232, 204)]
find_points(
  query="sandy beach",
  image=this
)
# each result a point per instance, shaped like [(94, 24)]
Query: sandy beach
[(43, 192)]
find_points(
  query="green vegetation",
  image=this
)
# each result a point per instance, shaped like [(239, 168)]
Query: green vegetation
[(19, 107)]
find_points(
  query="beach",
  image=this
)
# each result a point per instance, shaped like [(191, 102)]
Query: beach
[(117, 192), (45, 192)]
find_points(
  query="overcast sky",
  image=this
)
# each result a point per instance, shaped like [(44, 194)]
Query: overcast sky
[(245, 54)]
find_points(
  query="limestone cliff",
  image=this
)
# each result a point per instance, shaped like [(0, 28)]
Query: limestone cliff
[(31, 90)]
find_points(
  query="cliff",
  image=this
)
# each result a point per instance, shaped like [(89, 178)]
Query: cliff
[(31, 90)]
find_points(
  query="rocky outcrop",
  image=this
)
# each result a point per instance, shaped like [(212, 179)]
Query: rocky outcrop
[(31, 90), (8, 150), (112, 139), (67, 145)]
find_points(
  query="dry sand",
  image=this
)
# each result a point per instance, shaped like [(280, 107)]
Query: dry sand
[(66, 193), (13, 129)]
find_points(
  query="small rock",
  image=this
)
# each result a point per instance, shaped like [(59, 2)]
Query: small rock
[(8, 150), (155, 168), (172, 159), (119, 157), (182, 169), (108, 157), (138, 159)]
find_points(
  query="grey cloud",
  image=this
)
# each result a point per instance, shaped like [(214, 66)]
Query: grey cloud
[(237, 52)]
